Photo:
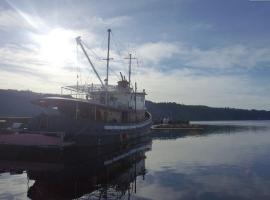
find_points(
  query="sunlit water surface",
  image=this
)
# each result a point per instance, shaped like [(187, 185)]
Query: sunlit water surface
[(227, 164)]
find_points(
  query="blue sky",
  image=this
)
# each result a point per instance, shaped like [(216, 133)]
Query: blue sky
[(207, 52)]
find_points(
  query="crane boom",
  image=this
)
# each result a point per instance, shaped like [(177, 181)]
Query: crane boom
[(79, 42)]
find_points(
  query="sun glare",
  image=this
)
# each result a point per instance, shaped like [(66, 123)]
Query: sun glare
[(57, 46)]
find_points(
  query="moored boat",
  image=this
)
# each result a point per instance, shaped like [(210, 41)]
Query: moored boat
[(94, 114)]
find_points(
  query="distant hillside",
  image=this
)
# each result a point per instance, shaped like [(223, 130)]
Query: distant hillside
[(200, 113), (18, 103)]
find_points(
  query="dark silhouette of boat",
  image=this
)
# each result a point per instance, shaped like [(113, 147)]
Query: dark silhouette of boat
[(93, 114)]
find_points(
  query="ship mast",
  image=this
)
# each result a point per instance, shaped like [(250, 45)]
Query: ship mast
[(129, 68), (108, 62), (108, 57)]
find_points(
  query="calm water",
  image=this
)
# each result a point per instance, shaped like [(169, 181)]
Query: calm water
[(230, 161)]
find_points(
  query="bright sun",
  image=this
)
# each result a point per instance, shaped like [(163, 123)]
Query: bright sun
[(57, 47)]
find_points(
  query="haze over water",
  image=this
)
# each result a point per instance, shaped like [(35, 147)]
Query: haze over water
[(228, 163)]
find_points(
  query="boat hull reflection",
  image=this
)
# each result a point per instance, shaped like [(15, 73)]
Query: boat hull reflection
[(103, 172)]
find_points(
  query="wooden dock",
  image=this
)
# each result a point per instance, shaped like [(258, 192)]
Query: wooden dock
[(174, 127)]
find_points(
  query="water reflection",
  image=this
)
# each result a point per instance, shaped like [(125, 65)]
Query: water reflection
[(227, 164), (221, 162), (211, 128), (111, 174)]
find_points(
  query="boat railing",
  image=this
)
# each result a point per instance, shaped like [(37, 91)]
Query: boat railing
[(90, 88)]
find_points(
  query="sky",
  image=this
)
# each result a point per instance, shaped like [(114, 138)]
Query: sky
[(195, 52)]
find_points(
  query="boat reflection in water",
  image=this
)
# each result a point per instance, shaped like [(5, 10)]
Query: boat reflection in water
[(106, 173)]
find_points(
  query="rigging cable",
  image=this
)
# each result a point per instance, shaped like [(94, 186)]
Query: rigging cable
[(97, 59), (92, 50), (118, 50)]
